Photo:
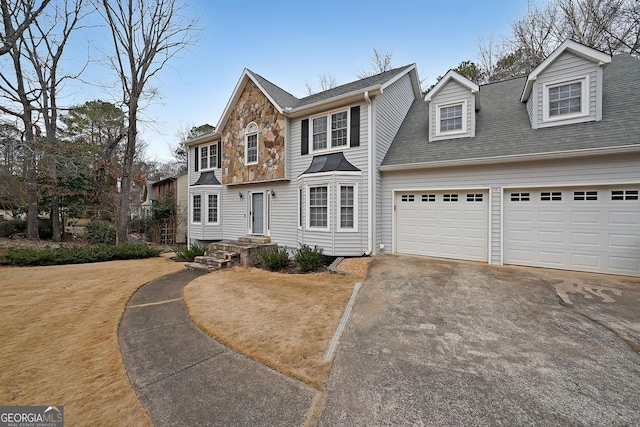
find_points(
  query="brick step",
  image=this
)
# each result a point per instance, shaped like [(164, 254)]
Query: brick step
[(256, 240)]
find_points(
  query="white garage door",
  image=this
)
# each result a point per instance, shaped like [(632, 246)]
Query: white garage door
[(594, 229), (447, 224)]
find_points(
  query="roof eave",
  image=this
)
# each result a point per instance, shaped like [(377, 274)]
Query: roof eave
[(333, 102), (513, 158), (208, 137)]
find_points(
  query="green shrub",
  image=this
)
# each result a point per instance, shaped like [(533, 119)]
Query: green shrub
[(100, 232), (309, 259), (45, 231), (78, 254), (275, 258), (7, 228), (189, 254)]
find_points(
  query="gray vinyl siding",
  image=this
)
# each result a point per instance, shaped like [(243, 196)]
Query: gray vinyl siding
[(612, 169), (453, 92), (389, 111), (332, 241), (566, 68)]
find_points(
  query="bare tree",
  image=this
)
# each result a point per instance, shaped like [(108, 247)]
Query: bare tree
[(146, 35), (612, 26), (44, 45), (16, 18), (326, 81), (380, 61)]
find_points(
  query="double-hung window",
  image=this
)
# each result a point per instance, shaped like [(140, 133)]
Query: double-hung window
[(451, 118), (319, 207), (197, 208), (251, 144), (209, 156), (566, 100), (347, 207), (212, 208), (330, 129)]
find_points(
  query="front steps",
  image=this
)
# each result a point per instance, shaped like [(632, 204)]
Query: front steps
[(245, 251)]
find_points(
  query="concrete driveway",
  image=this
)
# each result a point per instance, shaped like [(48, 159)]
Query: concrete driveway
[(445, 343)]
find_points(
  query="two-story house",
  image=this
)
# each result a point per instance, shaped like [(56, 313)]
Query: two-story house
[(301, 171), (542, 170)]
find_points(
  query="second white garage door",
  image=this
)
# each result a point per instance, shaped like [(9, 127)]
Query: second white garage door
[(595, 229), (447, 224)]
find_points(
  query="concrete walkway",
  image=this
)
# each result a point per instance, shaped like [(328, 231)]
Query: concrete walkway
[(184, 377)]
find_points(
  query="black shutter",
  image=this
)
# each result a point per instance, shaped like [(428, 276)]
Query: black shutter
[(219, 154), (195, 159), (305, 137), (355, 126)]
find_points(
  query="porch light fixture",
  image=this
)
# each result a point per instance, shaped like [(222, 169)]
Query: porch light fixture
[(240, 194), (273, 193)]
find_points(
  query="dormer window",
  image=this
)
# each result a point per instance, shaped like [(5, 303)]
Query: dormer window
[(251, 144), (566, 100), (451, 118)]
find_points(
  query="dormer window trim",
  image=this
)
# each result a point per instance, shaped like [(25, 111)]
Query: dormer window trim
[(584, 100), (463, 130), (251, 141)]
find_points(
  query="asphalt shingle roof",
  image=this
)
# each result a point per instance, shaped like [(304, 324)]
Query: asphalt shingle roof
[(503, 127), (285, 99)]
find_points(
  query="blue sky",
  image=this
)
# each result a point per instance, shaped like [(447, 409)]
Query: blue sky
[(290, 42)]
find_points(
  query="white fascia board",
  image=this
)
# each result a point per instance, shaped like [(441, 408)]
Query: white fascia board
[(513, 158), (452, 75), (589, 53), (207, 137), (330, 103)]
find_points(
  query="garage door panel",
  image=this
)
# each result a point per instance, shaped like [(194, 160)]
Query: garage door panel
[(597, 235), (624, 218), (586, 239), (443, 225)]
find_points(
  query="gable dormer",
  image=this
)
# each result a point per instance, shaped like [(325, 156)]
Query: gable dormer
[(566, 87), (453, 102)]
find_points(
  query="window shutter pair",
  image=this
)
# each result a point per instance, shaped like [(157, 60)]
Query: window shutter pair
[(196, 160), (354, 131)]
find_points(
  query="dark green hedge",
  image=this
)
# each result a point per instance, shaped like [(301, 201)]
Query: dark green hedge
[(77, 254)]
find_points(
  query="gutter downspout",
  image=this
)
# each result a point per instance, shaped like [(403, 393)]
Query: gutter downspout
[(371, 173)]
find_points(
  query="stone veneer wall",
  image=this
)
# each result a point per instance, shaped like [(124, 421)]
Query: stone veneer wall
[(253, 106)]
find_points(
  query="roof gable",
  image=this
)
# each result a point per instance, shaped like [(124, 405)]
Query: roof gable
[(455, 76), (581, 50)]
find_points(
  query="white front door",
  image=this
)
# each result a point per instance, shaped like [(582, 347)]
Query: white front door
[(595, 229), (257, 213), (447, 224)]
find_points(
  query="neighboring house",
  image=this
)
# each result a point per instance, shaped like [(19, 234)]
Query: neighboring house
[(542, 170), (176, 187)]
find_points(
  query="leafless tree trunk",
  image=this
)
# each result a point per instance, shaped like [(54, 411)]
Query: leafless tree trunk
[(44, 51), (15, 22), (146, 35)]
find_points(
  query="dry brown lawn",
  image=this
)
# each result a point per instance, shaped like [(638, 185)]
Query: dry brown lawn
[(282, 320), (59, 335)]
